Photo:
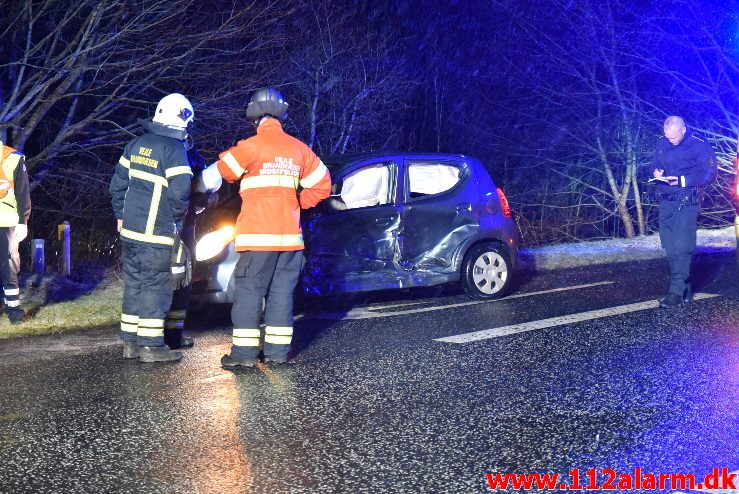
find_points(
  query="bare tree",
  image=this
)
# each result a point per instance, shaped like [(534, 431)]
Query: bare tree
[(583, 76), (701, 74), (75, 73), (345, 79)]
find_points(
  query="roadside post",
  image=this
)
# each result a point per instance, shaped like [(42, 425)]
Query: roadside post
[(39, 262), (63, 232)]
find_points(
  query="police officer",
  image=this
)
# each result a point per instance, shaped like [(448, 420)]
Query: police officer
[(150, 190), (15, 209), (278, 176), (683, 165)]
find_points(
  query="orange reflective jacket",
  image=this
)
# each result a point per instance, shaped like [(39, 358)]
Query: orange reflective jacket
[(279, 175)]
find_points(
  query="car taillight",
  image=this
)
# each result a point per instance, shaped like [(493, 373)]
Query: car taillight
[(504, 203)]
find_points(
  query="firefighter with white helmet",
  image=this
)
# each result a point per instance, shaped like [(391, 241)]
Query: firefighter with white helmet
[(150, 191), (15, 209)]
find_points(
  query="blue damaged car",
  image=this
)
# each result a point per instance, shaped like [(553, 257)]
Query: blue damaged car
[(392, 221)]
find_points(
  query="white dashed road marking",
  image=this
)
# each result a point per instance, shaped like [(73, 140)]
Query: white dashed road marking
[(558, 321)]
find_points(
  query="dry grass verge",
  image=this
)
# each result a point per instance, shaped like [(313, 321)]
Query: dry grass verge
[(56, 305)]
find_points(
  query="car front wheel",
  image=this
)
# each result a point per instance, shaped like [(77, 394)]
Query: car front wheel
[(486, 272)]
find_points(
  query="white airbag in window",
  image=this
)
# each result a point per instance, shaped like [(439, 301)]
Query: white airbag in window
[(366, 187), (427, 178)]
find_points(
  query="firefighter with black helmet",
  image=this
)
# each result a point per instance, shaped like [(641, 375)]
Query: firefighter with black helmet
[(279, 175), (15, 209), (150, 190)]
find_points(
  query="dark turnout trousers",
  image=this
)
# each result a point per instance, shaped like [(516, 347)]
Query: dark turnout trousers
[(174, 323), (9, 270), (677, 231), (259, 274), (147, 295)]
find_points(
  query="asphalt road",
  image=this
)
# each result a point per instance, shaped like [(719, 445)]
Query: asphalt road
[(576, 370)]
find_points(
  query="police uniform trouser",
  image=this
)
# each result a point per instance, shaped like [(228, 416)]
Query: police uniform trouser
[(259, 274), (9, 269), (677, 231), (147, 295)]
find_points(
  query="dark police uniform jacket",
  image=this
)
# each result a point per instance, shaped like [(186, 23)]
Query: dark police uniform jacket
[(692, 161), (151, 187)]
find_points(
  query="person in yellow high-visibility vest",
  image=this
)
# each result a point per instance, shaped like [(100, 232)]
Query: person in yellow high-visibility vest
[(15, 209)]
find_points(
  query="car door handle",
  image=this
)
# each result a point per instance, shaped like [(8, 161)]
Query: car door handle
[(465, 206), (384, 220)]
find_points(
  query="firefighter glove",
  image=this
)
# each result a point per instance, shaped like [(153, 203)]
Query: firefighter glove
[(180, 264)]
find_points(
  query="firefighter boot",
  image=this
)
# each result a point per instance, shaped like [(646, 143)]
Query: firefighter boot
[(158, 354), (15, 314), (276, 359), (130, 349), (228, 362)]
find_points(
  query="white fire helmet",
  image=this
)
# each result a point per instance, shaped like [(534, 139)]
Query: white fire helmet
[(174, 111)]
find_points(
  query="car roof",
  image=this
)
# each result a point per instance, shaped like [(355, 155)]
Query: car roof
[(339, 161)]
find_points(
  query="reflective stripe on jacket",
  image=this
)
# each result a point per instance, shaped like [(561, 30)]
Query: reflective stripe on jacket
[(15, 200), (151, 188), (278, 176)]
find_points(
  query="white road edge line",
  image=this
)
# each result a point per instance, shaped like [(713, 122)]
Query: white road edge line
[(558, 321), (395, 306), (368, 313), (517, 295)]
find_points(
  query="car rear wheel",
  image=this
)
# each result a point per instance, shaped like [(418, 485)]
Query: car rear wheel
[(486, 271)]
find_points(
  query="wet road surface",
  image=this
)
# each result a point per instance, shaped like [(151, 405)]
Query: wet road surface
[(384, 396)]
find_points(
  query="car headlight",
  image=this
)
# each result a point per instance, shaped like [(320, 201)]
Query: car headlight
[(213, 243)]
